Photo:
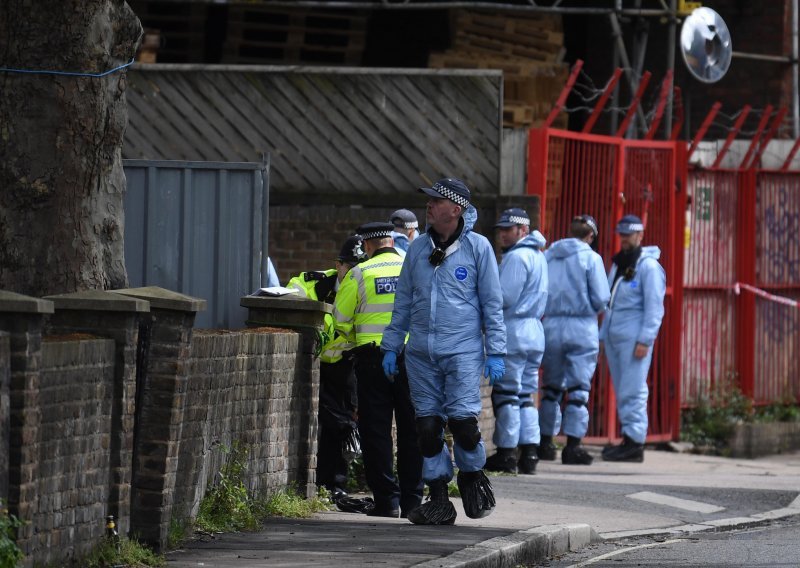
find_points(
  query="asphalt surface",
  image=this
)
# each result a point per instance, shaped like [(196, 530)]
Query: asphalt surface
[(539, 517)]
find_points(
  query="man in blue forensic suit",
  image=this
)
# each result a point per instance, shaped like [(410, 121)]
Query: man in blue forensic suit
[(630, 327), (449, 302), (578, 292), (523, 279), (405, 229)]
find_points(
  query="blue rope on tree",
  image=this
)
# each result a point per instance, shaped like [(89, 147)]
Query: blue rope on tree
[(66, 73)]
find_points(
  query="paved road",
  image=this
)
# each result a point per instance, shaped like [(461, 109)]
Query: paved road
[(773, 546), (561, 508)]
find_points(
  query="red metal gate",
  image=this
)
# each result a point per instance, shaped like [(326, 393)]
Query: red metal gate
[(607, 177)]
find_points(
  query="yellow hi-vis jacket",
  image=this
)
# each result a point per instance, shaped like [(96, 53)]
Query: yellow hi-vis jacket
[(334, 345), (364, 303)]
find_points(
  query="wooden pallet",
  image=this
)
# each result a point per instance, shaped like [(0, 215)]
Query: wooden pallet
[(517, 113), (511, 66), (501, 48), (539, 33), (263, 34)]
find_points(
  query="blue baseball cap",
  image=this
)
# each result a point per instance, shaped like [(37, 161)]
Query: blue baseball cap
[(512, 217), (449, 188), (589, 220), (630, 224)]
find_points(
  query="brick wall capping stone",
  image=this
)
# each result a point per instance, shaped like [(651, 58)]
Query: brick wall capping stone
[(292, 313), (285, 303), (98, 300), (13, 302), (164, 299)]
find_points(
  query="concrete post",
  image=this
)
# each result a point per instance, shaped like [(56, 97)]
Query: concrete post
[(117, 317), (160, 406), (22, 317), (307, 317)]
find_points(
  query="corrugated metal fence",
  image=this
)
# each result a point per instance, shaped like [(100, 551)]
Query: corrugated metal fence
[(199, 228), (742, 263)]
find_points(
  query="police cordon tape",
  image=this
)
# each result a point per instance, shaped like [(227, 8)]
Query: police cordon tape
[(738, 287)]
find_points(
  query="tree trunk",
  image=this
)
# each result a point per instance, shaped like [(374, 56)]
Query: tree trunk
[(61, 178)]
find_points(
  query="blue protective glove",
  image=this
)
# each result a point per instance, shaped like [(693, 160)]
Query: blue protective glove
[(494, 369), (390, 364)]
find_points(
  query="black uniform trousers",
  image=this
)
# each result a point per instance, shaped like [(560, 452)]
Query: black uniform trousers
[(337, 405), (378, 400)]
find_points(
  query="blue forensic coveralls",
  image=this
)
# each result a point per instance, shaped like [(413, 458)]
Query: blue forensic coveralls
[(578, 292), (633, 316), (401, 242), (524, 282), (453, 314)]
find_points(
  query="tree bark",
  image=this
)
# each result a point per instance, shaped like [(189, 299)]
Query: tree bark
[(61, 178)]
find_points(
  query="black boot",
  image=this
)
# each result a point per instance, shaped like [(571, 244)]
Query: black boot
[(504, 461), (627, 451), (547, 449), (477, 495), (574, 454), (437, 509), (528, 458)]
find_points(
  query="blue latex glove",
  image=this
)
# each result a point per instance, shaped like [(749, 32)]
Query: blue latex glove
[(390, 364), (494, 369)]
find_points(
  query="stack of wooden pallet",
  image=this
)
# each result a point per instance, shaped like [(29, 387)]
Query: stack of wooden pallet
[(180, 27), (264, 34), (528, 48)]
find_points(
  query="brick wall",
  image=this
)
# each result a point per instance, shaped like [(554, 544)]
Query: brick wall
[(76, 397), (240, 389), (309, 237)]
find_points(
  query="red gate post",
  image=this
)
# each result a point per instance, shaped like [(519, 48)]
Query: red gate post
[(731, 136), (601, 102), (666, 86), (701, 132), (773, 128), (562, 99), (746, 273), (634, 104), (678, 124), (762, 124), (675, 332)]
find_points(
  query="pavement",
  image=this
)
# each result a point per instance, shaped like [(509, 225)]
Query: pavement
[(537, 517)]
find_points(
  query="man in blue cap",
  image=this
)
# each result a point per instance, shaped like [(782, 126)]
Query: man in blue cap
[(405, 229), (523, 279), (630, 327), (578, 292), (450, 305)]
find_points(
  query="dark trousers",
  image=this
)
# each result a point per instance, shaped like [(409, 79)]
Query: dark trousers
[(379, 400), (337, 405)]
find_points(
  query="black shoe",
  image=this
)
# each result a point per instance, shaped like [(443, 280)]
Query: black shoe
[(477, 494), (627, 451), (547, 449), (528, 458), (504, 461), (437, 509), (354, 505), (575, 455)]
